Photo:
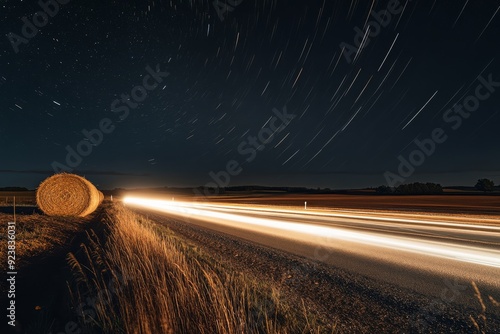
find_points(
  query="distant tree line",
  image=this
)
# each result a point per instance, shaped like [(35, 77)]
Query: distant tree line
[(253, 188), (428, 188), (415, 188)]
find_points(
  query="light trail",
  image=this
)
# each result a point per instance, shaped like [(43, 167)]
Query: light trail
[(418, 112), (285, 225)]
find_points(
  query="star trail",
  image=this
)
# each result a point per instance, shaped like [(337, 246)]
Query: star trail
[(364, 80)]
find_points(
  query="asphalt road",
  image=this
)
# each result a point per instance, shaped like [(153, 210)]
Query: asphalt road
[(437, 257)]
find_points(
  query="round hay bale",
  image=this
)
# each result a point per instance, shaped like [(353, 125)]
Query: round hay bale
[(67, 195), (101, 197)]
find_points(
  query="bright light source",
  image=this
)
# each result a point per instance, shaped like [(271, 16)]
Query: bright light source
[(247, 218)]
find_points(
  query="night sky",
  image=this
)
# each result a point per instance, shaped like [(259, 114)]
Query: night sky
[(361, 91)]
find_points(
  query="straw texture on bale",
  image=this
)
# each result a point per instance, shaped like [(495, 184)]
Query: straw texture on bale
[(101, 197), (67, 195)]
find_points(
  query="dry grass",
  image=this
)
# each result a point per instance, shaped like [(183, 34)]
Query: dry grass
[(480, 321), (146, 280), (38, 234), (67, 195)]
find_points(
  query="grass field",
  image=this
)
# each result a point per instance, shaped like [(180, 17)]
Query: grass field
[(142, 278), (22, 198), (39, 235)]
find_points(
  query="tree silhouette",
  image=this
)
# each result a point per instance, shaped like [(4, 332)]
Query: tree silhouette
[(418, 188), (485, 185), (383, 190), (415, 188)]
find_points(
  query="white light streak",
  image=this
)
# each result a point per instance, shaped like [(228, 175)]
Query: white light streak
[(420, 110), (383, 61), (487, 24), (347, 124), (239, 216), (290, 157)]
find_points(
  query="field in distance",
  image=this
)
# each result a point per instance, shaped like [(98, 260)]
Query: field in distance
[(449, 204), (473, 204)]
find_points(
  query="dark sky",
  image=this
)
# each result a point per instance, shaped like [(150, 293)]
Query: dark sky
[(355, 111)]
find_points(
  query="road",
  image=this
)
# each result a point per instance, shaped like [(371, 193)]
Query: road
[(437, 257)]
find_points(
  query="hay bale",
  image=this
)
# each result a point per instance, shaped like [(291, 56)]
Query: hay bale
[(101, 197), (67, 195)]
